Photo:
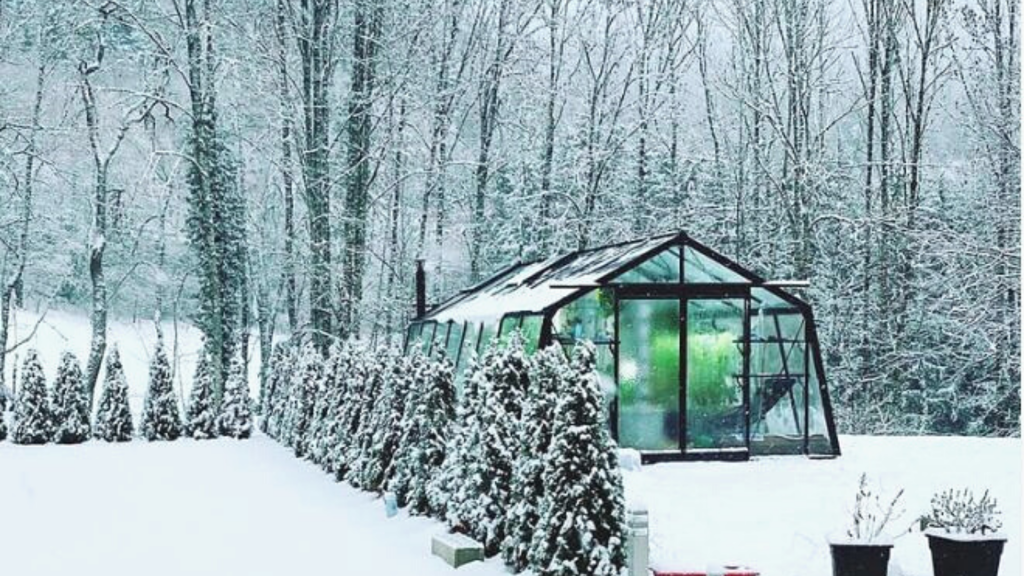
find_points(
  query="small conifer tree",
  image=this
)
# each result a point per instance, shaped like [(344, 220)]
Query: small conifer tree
[(113, 421), (445, 495), (301, 399), (70, 403), (33, 422), (491, 449), (387, 419), (550, 373), (430, 416), (281, 366), (358, 380), (362, 439), (328, 404), (339, 375), (581, 522), (236, 415), (321, 409), (161, 419), (201, 413)]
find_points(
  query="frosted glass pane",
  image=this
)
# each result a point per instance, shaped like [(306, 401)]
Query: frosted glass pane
[(649, 374)]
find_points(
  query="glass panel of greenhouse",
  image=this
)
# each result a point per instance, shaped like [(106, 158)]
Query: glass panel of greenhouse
[(698, 357)]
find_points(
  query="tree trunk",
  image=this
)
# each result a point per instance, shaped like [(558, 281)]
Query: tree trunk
[(368, 16), (98, 242), (287, 180), (315, 42), (489, 104)]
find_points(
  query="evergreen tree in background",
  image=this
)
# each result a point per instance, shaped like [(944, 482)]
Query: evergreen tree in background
[(236, 415), (161, 419), (201, 413), (581, 523), (113, 421), (550, 374), (33, 422), (215, 223), (70, 403), (301, 399), (430, 415)]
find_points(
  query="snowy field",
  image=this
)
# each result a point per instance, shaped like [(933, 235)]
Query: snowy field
[(53, 331), (776, 514), (197, 508), (250, 507)]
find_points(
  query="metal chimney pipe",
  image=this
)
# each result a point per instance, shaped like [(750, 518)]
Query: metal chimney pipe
[(421, 289)]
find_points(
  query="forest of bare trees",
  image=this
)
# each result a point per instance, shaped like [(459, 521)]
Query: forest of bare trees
[(278, 166)]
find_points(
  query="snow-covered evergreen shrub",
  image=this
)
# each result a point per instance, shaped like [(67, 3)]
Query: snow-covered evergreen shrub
[(582, 513), (550, 373), (302, 396), (325, 400), (201, 413), (484, 493), (335, 381), (113, 421), (361, 444), (69, 403), (428, 423), (387, 420), (357, 384), (282, 362), (33, 422), (161, 419), (444, 492), (235, 419)]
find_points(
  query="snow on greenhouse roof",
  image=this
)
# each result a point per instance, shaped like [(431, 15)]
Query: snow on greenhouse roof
[(535, 286)]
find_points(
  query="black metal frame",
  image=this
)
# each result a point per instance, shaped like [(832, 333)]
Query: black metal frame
[(684, 292)]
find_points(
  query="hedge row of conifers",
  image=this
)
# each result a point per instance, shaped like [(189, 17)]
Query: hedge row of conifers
[(62, 413), (520, 460)]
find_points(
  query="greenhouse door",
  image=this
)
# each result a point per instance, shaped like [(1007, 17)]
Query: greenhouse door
[(715, 364), (648, 374)]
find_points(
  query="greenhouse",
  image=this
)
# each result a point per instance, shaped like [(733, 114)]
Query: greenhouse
[(700, 357)]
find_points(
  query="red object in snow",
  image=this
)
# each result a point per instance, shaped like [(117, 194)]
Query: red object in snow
[(724, 571)]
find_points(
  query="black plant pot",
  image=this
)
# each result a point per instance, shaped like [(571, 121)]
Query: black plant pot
[(954, 557), (860, 559)]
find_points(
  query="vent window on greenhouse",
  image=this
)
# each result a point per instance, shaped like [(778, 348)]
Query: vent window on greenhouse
[(701, 357)]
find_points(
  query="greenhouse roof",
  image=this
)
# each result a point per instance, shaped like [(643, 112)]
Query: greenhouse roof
[(535, 287)]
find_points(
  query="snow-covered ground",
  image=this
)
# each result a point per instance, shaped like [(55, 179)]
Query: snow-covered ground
[(199, 508), (776, 514), (250, 507), (228, 507), (54, 331)]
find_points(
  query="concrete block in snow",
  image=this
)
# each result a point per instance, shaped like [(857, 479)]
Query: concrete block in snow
[(456, 549)]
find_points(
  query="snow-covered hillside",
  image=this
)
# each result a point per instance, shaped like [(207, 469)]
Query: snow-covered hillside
[(776, 514), (54, 331)]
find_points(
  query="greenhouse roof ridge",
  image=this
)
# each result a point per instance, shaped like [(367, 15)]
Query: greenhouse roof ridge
[(538, 285)]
